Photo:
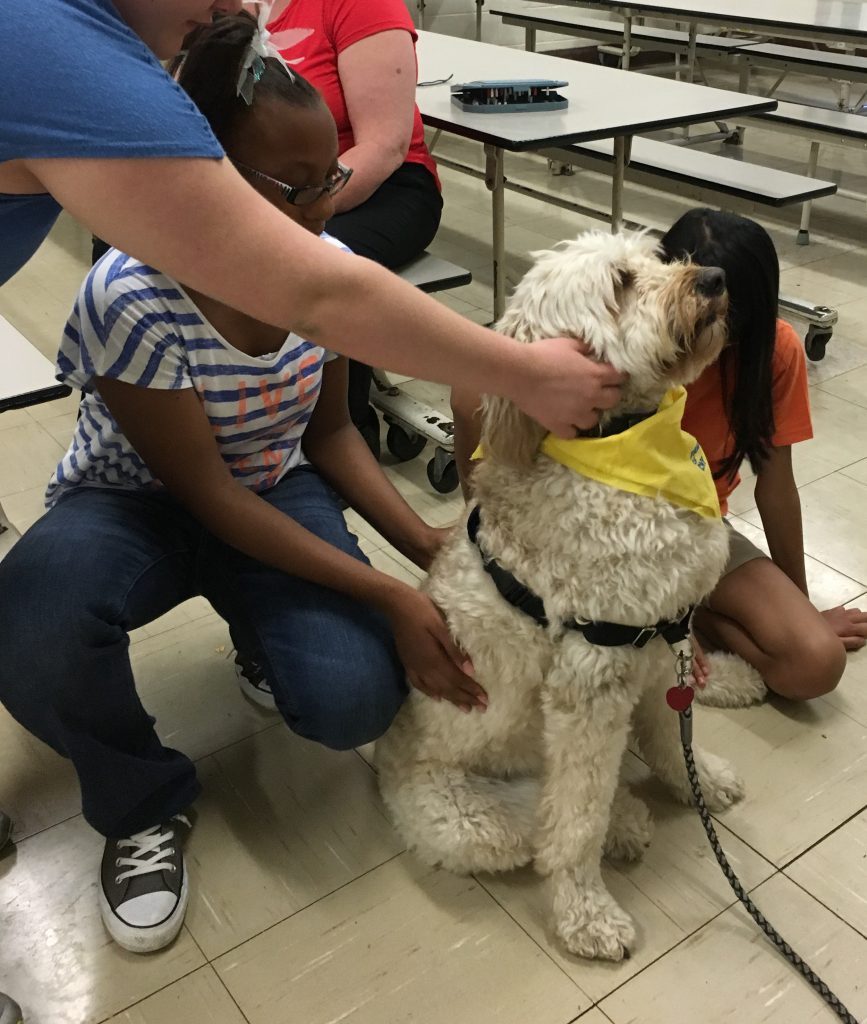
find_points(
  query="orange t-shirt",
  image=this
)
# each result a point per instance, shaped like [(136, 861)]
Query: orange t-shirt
[(705, 416)]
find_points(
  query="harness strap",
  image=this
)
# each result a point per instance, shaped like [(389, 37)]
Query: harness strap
[(600, 633), (510, 589)]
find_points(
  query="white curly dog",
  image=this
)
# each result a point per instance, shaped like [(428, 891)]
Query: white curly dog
[(535, 778)]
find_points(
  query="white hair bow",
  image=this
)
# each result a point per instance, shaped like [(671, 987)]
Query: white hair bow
[(260, 48)]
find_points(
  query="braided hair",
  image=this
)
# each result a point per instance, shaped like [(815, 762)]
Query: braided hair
[(746, 253), (210, 66)]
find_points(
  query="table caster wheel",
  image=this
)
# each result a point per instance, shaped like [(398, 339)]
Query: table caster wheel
[(443, 477), (402, 444)]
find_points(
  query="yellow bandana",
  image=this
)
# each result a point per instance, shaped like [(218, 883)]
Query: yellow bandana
[(655, 458)]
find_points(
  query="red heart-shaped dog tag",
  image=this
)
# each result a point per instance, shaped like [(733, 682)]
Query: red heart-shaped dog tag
[(679, 697)]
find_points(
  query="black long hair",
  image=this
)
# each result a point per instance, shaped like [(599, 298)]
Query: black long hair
[(210, 66), (746, 253)]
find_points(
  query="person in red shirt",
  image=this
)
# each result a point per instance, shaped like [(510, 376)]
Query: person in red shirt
[(360, 54), (753, 404)]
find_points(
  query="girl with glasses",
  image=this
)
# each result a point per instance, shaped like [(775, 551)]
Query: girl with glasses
[(208, 459)]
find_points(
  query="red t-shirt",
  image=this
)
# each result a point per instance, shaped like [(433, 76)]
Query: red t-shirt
[(313, 33), (705, 416)]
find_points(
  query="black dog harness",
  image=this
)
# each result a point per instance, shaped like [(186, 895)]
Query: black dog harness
[(603, 634)]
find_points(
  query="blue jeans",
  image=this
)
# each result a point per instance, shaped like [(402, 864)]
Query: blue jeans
[(103, 562)]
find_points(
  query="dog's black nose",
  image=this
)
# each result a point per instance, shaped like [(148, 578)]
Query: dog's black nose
[(711, 281)]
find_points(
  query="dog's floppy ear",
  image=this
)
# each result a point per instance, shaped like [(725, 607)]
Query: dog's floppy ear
[(509, 435)]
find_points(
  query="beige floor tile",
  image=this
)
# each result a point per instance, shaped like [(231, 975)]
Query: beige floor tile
[(190, 611), (24, 507), (831, 282), (61, 427), (282, 822), (403, 944), (729, 971), (804, 766), (840, 438), (200, 998), (842, 356), (38, 788), (51, 410), (851, 386), (858, 471), (14, 418), (56, 956), (828, 588), (28, 457), (833, 515), (850, 697), (676, 888), (835, 872), (186, 680)]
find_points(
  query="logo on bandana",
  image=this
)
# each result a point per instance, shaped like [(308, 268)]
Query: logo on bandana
[(697, 457)]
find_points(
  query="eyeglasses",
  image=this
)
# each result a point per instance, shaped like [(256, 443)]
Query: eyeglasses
[(306, 194)]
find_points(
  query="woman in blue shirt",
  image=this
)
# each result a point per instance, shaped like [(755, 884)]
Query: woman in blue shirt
[(93, 124)]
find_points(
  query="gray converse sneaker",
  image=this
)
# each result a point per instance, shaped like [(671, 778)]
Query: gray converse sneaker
[(144, 887), (10, 1011), (254, 685)]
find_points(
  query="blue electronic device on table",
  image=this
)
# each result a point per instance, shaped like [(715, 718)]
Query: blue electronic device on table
[(509, 96)]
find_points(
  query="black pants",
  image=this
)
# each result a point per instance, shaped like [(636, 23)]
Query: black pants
[(392, 227)]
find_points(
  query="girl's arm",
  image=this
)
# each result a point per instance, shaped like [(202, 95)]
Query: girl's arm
[(779, 506), (339, 453), (199, 222), (171, 433), (377, 75)]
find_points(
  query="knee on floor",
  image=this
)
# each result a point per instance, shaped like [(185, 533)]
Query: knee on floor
[(356, 712), (812, 666)]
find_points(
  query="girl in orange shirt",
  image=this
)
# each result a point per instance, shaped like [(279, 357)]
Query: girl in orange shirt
[(754, 404)]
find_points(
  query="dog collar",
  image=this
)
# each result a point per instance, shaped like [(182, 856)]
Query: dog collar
[(597, 632)]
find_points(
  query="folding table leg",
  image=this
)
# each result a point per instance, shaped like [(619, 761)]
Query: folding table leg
[(627, 39), (622, 148), (806, 209), (495, 181)]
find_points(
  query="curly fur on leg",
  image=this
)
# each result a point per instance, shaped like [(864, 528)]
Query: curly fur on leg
[(732, 683)]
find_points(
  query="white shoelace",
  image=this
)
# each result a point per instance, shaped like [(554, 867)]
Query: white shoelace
[(146, 843)]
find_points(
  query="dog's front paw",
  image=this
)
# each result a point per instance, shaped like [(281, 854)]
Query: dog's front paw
[(719, 783), (629, 829), (589, 922)]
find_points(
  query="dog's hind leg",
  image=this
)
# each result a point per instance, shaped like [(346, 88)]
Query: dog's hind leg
[(658, 733), (461, 821), (630, 827), (585, 731)]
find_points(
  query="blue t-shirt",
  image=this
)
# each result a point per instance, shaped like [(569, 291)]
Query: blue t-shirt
[(76, 81)]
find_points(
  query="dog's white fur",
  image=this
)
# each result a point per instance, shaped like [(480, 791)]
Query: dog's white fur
[(536, 776)]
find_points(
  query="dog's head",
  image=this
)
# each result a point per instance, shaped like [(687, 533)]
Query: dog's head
[(659, 323)]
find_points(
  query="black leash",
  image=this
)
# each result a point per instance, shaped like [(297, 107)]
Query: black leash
[(678, 695)]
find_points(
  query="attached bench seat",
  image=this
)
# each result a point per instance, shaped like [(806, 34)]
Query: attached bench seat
[(565, 21), (806, 61), (708, 172), (431, 274), (845, 128)]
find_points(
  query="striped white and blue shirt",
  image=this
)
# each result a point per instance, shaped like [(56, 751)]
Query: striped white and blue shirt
[(132, 323)]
